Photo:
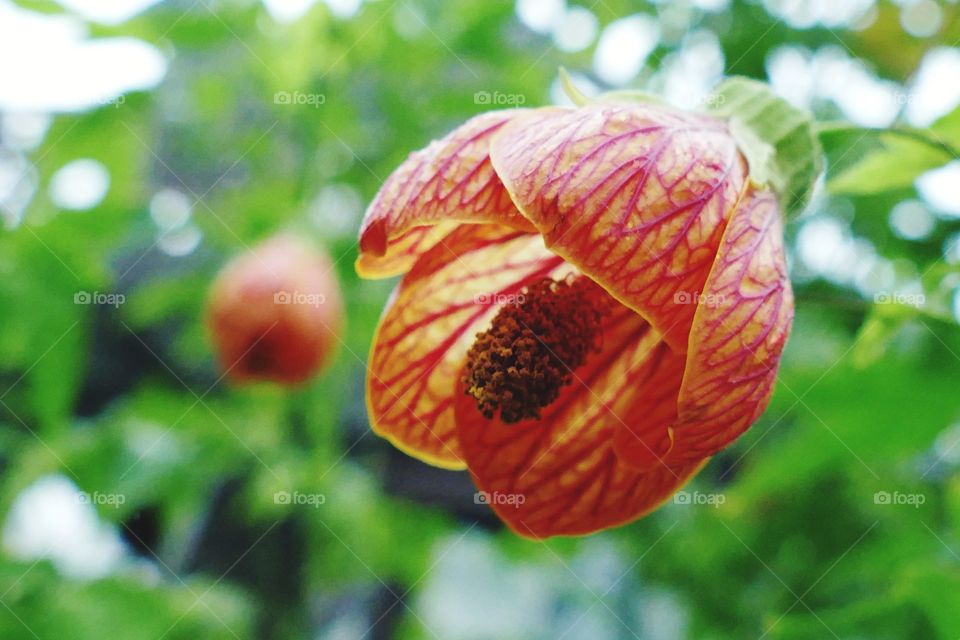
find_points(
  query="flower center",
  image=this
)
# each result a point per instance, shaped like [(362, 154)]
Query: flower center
[(520, 364)]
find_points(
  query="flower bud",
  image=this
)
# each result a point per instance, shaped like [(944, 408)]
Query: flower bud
[(275, 313)]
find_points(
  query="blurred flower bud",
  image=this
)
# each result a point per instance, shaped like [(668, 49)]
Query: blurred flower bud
[(275, 312)]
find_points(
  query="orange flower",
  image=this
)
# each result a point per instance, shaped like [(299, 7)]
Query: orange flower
[(594, 302), (275, 312)]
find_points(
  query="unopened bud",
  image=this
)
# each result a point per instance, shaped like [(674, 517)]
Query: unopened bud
[(275, 313)]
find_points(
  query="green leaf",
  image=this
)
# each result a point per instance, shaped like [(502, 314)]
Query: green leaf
[(947, 127), (777, 139), (904, 155), (895, 166)]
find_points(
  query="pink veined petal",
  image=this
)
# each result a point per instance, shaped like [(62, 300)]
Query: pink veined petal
[(449, 182), (742, 323), (403, 251), (432, 319), (561, 475), (636, 196)]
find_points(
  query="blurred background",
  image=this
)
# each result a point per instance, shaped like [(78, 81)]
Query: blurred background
[(143, 144)]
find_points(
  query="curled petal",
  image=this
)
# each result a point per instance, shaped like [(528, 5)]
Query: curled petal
[(403, 251), (432, 319), (743, 319), (449, 182), (560, 475), (635, 196)]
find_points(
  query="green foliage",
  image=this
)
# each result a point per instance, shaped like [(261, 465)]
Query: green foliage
[(902, 157), (126, 400)]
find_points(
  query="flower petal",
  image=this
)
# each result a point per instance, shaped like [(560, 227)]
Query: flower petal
[(559, 475), (449, 181), (635, 196), (403, 251), (432, 319), (741, 326)]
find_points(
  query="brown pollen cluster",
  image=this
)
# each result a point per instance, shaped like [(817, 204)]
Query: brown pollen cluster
[(520, 364)]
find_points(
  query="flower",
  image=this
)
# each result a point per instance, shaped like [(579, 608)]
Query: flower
[(594, 301), (275, 313)]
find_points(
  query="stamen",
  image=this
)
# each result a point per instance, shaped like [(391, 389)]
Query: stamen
[(520, 364)]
